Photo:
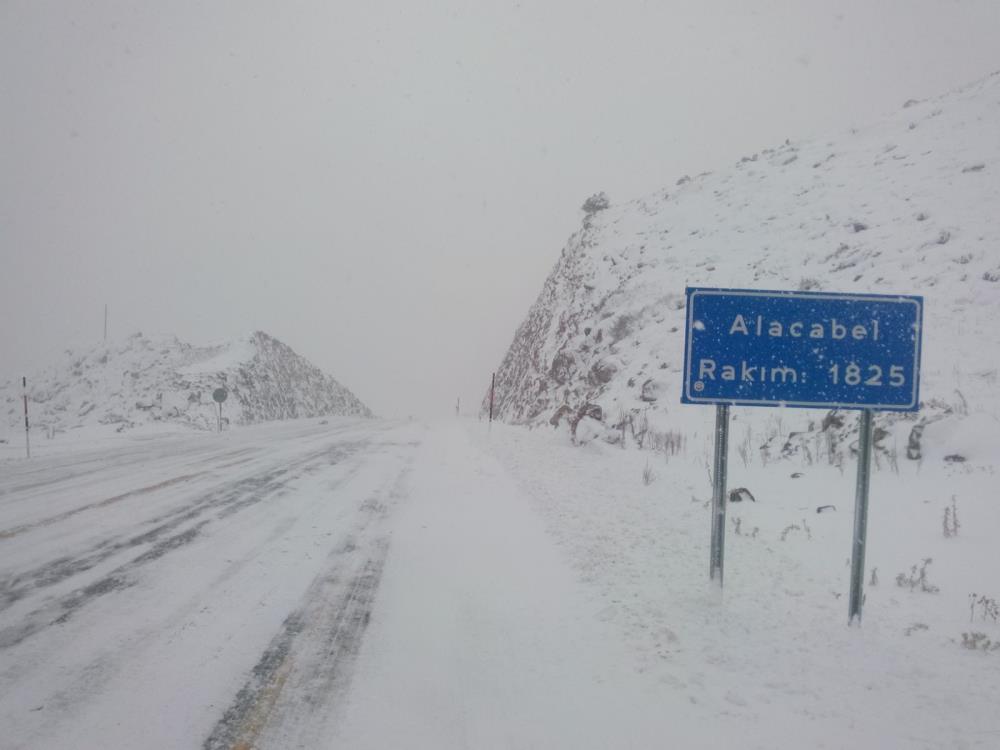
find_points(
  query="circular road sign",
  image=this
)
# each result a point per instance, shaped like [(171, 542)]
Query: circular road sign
[(220, 394)]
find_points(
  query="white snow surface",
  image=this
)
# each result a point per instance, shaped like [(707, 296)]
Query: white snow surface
[(223, 357), (158, 382), (366, 584), (907, 205), (358, 583)]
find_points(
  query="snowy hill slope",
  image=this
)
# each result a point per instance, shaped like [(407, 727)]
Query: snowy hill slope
[(908, 205), (162, 380)]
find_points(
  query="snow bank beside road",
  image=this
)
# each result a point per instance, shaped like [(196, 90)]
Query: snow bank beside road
[(773, 652)]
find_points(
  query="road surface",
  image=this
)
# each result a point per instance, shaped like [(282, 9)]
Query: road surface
[(342, 583)]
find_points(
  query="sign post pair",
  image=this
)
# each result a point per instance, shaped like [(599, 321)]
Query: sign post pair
[(801, 349)]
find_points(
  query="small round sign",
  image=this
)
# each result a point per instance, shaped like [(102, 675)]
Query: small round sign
[(220, 394)]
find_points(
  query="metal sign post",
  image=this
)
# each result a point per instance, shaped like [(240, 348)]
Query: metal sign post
[(860, 516), (220, 395), (746, 347), (27, 434), (719, 492)]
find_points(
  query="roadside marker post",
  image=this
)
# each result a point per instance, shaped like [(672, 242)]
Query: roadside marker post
[(27, 433), (747, 347), (493, 387)]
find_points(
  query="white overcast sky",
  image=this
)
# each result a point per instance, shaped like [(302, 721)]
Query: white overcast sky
[(385, 185)]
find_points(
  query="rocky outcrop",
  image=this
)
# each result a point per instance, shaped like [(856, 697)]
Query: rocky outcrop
[(163, 380), (867, 211)]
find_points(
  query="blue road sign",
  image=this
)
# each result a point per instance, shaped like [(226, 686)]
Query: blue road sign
[(806, 349)]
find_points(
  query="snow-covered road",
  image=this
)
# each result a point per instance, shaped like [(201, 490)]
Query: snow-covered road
[(191, 590), (215, 591), (369, 584), (485, 638)]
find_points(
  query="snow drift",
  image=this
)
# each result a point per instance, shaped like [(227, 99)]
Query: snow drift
[(163, 380)]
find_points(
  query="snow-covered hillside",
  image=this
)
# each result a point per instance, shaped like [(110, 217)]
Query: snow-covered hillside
[(908, 205), (146, 381)]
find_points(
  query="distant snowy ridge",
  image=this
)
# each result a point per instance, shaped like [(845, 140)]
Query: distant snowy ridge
[(147, 380), (907, 206)]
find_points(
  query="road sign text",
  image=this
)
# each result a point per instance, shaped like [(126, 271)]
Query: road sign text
[(808, 349)]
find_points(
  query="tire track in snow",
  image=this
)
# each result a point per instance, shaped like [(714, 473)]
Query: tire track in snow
[(172, 532), (14, 531), (74, 471), (294, 687), (341, 612)]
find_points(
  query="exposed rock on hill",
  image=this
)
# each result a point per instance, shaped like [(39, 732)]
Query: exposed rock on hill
[(149, 380), (906, 206)]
